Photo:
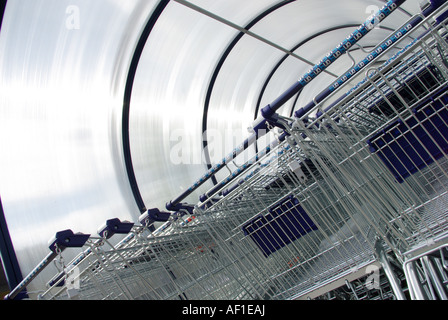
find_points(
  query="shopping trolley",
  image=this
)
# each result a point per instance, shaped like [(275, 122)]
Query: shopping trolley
[(350, 186), (385, 146)]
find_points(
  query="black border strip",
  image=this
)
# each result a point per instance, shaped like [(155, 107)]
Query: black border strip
[(9, 259), (2, 11), (127, 102), (8, 255)]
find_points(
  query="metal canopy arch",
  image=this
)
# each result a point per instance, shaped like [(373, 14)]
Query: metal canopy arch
[(127, 102), (85, 106), (270, 75)]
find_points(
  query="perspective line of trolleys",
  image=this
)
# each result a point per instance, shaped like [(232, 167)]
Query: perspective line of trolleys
[(351, 201)]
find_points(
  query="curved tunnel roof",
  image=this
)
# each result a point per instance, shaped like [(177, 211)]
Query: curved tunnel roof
[(109, 107)]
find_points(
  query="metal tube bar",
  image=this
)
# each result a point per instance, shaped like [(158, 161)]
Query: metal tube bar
[(240, 170), (332, 56), (246, 31), (415, 287), (32, 275), (237, 151), (390, 42), (432, 272), (396, 287)]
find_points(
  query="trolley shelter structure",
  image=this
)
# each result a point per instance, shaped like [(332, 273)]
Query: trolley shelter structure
[(349, 202)]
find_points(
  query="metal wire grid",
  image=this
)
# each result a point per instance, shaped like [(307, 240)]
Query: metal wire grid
[(407, 211), (359, 289), (427, 274), (336, 245), (182, 266)]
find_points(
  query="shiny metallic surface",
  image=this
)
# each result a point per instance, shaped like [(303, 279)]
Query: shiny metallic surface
[(63, 72), (62, 90)]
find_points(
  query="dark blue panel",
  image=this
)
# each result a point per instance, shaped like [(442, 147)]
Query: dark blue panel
[(8, 255), (286, 222), (410, 93), (407, 147)]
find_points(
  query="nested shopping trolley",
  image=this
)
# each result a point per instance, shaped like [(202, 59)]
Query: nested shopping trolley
[(349, 201)]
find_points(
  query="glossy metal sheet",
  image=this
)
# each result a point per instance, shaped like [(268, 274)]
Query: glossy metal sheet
[(63, 69), (168, 97)]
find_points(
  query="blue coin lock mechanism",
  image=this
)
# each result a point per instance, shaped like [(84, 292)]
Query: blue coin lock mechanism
[(114, 226)]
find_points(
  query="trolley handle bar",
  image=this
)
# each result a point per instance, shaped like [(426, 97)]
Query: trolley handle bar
[(62, 240), (400, 34), (240, 170), (175, 205), (106, 231), (332, 56), (30, 277)]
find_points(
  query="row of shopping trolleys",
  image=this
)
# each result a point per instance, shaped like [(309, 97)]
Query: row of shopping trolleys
[(350, 202)]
